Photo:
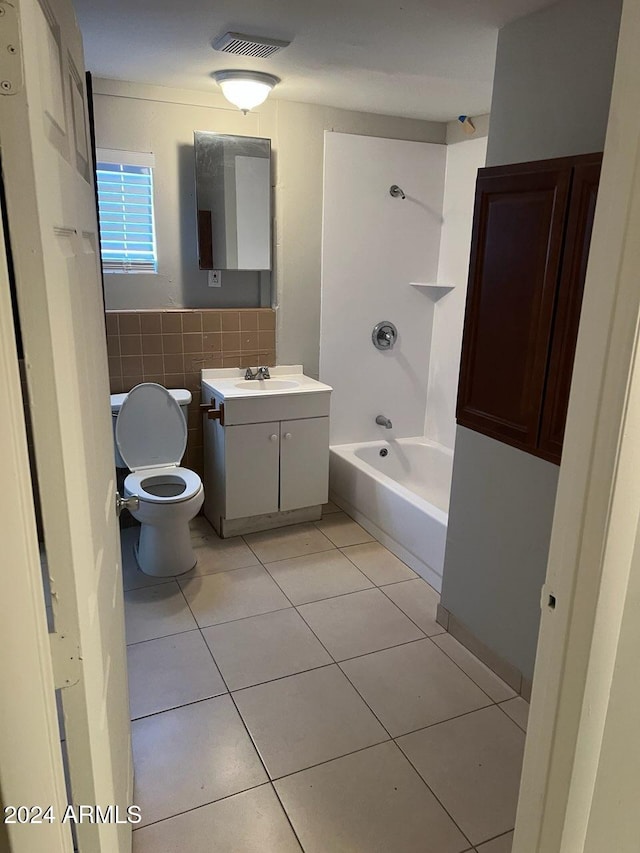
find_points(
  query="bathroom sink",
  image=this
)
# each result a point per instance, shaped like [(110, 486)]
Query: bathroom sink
[(267, 384), (277, 398)]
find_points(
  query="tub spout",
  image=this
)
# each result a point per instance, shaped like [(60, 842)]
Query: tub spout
[(385, 422)]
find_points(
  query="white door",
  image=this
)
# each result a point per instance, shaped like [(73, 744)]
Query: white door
[(251, 469), (304, 463), (54, 239)]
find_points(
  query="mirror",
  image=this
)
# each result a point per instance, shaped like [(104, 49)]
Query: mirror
[(233, 198)]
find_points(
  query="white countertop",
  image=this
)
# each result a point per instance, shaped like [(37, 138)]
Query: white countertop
[(230, 384)]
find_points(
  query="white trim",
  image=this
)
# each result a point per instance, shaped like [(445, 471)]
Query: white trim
[(145, 159), (31, 769)]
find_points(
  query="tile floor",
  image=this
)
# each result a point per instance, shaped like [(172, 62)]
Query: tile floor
[(294, 692)]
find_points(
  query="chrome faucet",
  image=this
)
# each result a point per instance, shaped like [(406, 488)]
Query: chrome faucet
[(385, 422), (261, 373)]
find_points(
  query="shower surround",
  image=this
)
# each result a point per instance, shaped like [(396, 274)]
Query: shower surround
[(402, 260)]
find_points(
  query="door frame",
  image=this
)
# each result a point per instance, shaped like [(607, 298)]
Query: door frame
[(586, 686), (585, 680), (31, 769)]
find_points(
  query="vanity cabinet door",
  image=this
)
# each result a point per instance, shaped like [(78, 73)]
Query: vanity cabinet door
[(251, 458), (304, 463)]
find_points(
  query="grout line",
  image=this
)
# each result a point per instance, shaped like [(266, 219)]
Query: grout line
[(383, 649), (201, 806), (249, 735), (495, 837), (522, 729), (183, 705), (436, 797), (442, 722), (242, 618), (335, 758), (282, 677), (360, 569), (162, 637), (495, 701), (294, 556)]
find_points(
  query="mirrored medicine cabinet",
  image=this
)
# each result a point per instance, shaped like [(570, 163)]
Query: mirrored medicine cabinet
[(233, 198)]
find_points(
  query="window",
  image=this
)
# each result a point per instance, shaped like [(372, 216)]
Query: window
[(125, 206)]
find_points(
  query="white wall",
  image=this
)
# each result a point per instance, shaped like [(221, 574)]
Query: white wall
[(153, 118), (373, 247), (463, 161)]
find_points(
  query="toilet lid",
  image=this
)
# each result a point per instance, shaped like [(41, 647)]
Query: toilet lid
[(151, 430)]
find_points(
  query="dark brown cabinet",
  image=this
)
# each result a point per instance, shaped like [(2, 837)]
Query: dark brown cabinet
[(531, 233)]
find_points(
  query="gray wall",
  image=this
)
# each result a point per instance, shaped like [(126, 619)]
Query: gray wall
[(552, 86)]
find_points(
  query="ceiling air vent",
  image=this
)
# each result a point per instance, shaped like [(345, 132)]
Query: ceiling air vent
[(243, 45)]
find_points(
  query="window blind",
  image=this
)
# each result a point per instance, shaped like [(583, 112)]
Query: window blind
[(125, 205)]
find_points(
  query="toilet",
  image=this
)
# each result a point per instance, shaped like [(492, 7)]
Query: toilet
[(151, 437)]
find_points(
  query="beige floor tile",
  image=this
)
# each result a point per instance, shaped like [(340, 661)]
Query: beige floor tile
[(342, 530), (132, 577), (169, 672), (498, 845), (518, 710), (304, 719), (412, 686), (191, 756), (285, 542), (250, 822), (330, 507), (369, 802), (316, 576), (419, 601), (265, 647), (232, 595), (215, 554), (358, 623), (378, 563), (200, 527), (473, 765), (156, 611), (485, 678)]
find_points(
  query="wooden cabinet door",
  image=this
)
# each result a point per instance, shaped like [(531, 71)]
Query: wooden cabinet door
[(304, 463), (582, 205), (251, 457), (516, 246)]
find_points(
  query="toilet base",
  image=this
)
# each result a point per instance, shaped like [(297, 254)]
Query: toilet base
[(164, 553)]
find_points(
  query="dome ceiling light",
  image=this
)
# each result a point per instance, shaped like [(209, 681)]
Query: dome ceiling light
[(245, 89)]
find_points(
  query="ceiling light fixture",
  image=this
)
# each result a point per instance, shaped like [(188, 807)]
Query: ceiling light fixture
[(245, 89)]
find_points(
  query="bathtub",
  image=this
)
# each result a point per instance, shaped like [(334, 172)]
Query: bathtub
[(401, 497)]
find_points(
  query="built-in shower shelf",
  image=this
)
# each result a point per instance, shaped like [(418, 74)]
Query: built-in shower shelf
[(432, 289)]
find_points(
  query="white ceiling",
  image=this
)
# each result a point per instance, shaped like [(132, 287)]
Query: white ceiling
[(429, 59)]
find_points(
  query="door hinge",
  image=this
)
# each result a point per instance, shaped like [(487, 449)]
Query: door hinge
[(11, 77), (67, 661)]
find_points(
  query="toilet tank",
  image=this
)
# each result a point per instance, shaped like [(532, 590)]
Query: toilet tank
[(181, 395)]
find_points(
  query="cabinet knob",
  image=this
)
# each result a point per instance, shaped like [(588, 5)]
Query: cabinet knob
[(287, 435), (273, 437)]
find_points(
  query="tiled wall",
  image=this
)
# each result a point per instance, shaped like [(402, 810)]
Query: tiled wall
[(172, 347)]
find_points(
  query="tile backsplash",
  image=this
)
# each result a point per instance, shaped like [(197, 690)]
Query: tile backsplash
[(171, 347)]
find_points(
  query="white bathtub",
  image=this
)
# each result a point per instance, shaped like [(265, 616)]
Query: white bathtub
[(402, 498)]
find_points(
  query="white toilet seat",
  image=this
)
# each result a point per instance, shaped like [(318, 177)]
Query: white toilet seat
[(138, 483)]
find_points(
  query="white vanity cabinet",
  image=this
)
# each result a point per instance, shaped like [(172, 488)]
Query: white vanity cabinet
[(266, 453)]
